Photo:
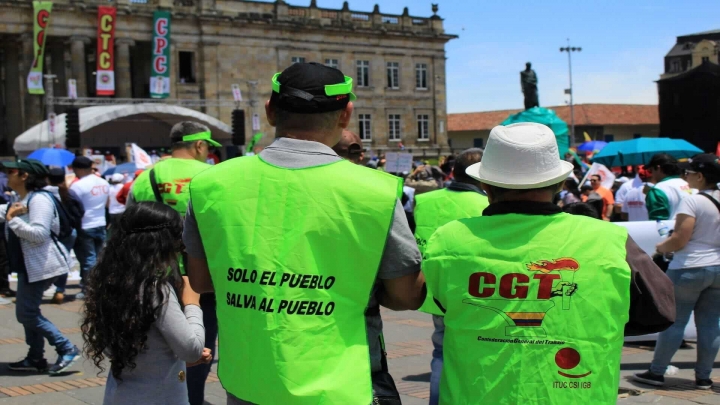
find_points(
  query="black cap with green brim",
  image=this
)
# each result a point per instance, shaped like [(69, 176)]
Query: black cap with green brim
[(31, 166), (311, 88)]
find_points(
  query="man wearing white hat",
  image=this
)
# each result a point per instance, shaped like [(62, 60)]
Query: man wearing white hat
[(534, 313)]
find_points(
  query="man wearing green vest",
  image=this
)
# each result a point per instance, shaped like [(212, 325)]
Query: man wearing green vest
[(461, 199), (537, 301), (169, 182), (301, 247)]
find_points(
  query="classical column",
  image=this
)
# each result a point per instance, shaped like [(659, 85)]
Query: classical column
[(123, 80), (32, 104), (77, 52)]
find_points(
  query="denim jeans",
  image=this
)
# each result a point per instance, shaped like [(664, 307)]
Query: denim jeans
[(69, 243), (695, 289), (88, 245), (436, 364), (197, 375), (37, 327)]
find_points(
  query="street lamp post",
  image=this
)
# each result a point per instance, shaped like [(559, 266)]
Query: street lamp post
[(570, 49)]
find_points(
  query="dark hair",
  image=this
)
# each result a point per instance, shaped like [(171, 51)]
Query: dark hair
[(498, 192), (586, 187), (599, 178), (466, 159), (182, 129), (127, 287), (287, 120), (34, 181), (581, 209), (667, 163), (572, 187)]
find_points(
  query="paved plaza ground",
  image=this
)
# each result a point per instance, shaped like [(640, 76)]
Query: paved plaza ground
[(408, 345)]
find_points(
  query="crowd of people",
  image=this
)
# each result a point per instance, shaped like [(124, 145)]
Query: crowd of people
[(302, 244)]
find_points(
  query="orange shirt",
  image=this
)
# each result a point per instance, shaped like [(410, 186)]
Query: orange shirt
[(607, 198)]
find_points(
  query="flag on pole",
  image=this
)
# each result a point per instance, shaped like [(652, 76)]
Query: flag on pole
[(140, 157), (255, 139), (607, 177), (587, 137)]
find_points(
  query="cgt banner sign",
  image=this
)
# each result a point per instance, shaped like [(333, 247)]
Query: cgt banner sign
[(105, 78), (40, 25), (160, 78)]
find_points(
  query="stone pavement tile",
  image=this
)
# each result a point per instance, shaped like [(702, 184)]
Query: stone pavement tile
[(654, 399), (44, 399), (710, 399), (93, 396), (215, 399)]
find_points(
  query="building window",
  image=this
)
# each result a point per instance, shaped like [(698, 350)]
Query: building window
[(675, 65), (705, 59), (421, 76), (298, 59), (394, 127), (363, 73), (139, 1), (365, 121), (636, 136), (333, 63), (393, 75), (478, 142), (186, 67), (688, 65), (609, 138), (423, 122)]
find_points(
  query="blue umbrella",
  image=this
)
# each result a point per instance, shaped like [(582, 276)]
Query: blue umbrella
[(640, 151), (125, 168), (53, 157), (592, 146)]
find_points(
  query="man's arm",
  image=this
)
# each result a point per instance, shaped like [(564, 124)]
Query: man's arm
[(197, 270), (652, 295), (403, 283), (658, 205)]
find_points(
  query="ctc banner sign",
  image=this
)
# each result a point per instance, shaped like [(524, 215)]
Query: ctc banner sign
[(105, 78), (40, 25), (160, 78)]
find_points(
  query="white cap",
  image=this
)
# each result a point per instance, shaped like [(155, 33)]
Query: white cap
[(521, 156), (117, 178), (622, 180)]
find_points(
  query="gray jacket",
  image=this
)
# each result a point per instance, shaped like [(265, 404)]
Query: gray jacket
[(44, 258), (176, 337)]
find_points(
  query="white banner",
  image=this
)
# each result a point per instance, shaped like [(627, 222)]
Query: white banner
[(35, 82), (105, 80), (160, 85), (607, 177), (396, 162), (72, 89), (237, 94), (140, 157)]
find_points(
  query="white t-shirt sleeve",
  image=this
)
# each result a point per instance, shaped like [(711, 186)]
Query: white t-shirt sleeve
[(688, 206)]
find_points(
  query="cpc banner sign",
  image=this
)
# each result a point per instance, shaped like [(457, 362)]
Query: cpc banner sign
[(41, 22), (160, 78), (105, 77)]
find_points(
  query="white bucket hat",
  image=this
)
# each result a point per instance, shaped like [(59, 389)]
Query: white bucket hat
[(521, 156)]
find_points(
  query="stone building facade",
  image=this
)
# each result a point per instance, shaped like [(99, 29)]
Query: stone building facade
[(396, 61)]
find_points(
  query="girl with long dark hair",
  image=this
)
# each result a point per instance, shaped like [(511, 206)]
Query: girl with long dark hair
[(133, 315)]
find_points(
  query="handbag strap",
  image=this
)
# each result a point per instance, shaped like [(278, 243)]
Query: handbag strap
[(154, 186), (714, 201)]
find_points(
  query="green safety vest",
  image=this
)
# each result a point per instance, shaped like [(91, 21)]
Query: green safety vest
[(293, 255), (173, 178), (536, 308), (437, 208)]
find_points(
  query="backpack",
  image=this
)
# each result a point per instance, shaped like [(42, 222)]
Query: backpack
[(66, 219)]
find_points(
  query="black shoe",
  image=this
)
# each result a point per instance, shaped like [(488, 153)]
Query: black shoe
[(32, 366), (704, 384), (65, 361), (7, 293), (651, 378)]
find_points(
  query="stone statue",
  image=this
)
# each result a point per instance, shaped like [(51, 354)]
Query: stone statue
[(528, 82)]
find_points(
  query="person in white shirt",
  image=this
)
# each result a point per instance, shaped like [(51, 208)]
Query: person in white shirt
[(115, 208), (633, 202), (695, 271), (93, 191)]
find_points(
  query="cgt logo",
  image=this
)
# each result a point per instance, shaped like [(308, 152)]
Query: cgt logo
[(99, 190)]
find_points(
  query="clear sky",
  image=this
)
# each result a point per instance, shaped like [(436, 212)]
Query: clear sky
[(623, 44)]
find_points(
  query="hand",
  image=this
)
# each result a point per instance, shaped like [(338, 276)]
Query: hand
[(15, 210), (558, 290), (189, 296), (204, 359)]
